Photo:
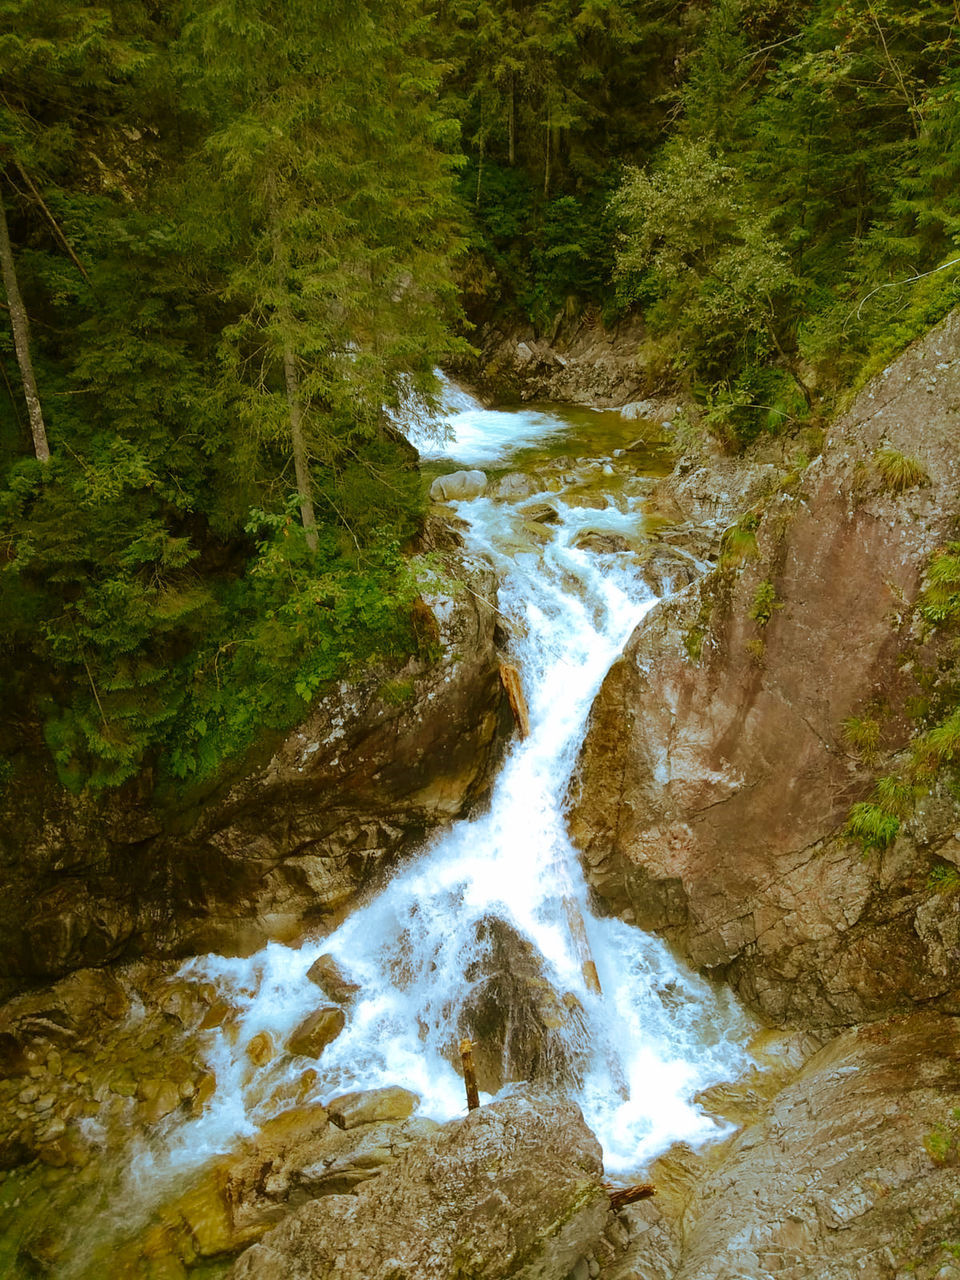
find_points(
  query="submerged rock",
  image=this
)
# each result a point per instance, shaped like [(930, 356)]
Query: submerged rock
[(316, 1031), (513, 1190)]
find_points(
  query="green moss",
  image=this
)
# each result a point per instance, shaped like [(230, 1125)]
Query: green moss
[(739, 542), (765, 602), (693, 643)]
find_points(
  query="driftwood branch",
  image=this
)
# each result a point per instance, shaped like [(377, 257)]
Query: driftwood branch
[(620, 1197), (510, 679)]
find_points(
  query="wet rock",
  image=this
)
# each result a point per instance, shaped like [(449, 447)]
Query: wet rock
[(157, 1099), (331, 980), (600, 543), (581, 362), (515, 485), (260, 1049), (316, 1031), (458, 486), (852, 1170), (512, 1190), (544, 513), (714, 779), (666, 571), (521, 1027), (371, 1105)]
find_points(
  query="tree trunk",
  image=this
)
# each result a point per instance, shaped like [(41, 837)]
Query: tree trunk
[(21, 340), (546, 166), (301, 466), (513, 120)]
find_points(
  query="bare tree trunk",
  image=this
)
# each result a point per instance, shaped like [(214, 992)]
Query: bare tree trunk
[(21, 340), (546, 166), (300, 464), (513, 120)]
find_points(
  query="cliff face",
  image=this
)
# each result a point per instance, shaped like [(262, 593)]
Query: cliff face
[(714, 776), (374, 766)]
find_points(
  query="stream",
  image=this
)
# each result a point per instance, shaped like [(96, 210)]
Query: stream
[(484, 910)]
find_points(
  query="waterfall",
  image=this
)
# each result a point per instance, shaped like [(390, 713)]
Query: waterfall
[(487, 902)]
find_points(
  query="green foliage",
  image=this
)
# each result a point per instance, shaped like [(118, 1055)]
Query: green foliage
[(940, 600), (739, 542), (898, 473), (196, 192), (872, 826), (942, 1143), (764, 603), (862, 733), (945, 879)]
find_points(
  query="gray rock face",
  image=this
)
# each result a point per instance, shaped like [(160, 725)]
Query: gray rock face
[(715, 776), (853, 1174), (512, 1190), (580, 362), (458, 486)]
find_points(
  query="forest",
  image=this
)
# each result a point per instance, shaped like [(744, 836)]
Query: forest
[(239, 236)]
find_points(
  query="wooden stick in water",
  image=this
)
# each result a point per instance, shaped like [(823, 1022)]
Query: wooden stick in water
[(469, 1075), (578, 931), (510, 679)]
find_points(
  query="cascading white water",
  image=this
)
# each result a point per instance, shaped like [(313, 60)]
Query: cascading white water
[(656, 1036)]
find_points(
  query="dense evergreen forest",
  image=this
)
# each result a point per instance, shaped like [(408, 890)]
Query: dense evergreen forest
[(237, 237)]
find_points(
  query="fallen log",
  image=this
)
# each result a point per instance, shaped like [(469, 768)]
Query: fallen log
[(510, 679), (620, 1197), (578, 931)]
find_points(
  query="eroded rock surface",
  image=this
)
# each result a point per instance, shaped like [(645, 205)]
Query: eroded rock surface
[(852, 1174), (714, 776), (511, 1190), (580, 362), (374, 766)]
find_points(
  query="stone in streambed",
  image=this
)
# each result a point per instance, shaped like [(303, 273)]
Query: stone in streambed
[(317, 1031), (331, 980), (458, 486), (513, 1189), (370, 1105), (260, 1049), (600, 543)]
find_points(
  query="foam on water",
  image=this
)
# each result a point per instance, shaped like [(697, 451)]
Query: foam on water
[(480, 437), (656, 1036)]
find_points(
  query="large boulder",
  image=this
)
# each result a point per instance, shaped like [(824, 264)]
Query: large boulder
[(715, 776), (303, 824), (851, 1172), (458, 485), (511, 1190), (522, 1028)]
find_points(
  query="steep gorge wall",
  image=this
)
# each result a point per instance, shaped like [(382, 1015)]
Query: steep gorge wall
[(714, 777), (373, 767)]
